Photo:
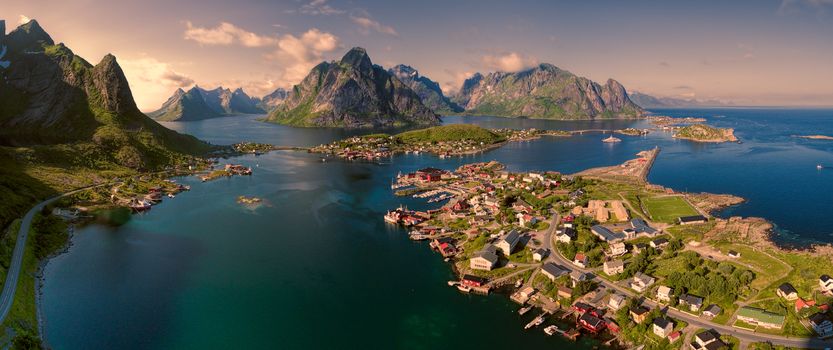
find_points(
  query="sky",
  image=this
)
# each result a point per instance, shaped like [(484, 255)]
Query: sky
[(762, 52)]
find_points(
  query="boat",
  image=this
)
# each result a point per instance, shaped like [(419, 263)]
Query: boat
[(392, 217), (519, 283), (819, 166), (453, 283), (551, 329), (536, 322), (612, 139), (524, 310), (463, 288), (140, 205), (171, 195)]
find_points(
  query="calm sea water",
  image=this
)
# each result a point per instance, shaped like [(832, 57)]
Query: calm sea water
[(316, 267)]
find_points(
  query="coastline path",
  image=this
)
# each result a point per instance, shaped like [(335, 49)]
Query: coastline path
[(13, 273)]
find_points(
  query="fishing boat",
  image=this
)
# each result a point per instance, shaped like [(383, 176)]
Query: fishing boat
[(551, 329), (524, 310), (536, 322), (463, 288)]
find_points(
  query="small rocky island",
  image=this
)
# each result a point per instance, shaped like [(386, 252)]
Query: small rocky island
[(705, 133)]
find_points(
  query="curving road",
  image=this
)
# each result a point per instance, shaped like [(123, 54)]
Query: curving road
[(12, 275), (742, 335)]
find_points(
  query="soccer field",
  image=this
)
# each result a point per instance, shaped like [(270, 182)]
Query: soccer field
[(667, 209)]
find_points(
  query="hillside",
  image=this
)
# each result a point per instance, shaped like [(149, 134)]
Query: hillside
[(65, 123), (648, 101), (428, 90), (352, 92), (271, 101), (545, 92), (452, 132)]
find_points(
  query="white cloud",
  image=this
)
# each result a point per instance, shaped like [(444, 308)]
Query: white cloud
[(152, 81), (454, 81), (509, 62), (819, 7), (366, 23), (319, 7), (226, 34), (256, 87), (22, 19), (298, 54)]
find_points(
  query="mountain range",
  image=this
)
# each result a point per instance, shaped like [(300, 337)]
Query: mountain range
[(547, 92), (271, 101), (648, 101), (352, 92), (198, 103)]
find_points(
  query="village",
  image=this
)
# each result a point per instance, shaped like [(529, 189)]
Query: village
[(606, 254)]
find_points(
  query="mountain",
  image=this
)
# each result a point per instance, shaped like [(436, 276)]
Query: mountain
[(352, 92), (429, 91), (199, 104), (50, 96), (648, 101), (271, 101), (545, 92)]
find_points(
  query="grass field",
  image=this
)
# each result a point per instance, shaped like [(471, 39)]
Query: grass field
[(667, 209)]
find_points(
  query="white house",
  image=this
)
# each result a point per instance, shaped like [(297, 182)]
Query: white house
[(614, 267), (826, 283), (508, 243), (485, 259), (664, 293), (617, 249), (641, 282), (662, 327)]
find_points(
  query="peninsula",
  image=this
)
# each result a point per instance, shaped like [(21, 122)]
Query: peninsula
[(605, 253)]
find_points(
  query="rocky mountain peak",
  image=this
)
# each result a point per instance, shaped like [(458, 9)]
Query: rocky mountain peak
[(112, 86), (358, 58), (29, 36)]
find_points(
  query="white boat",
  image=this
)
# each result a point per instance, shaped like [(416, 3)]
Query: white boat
[(519, 283), (524, 310), (612, 139), (819, 166), (536, 322), (171, 195), (551, 329), (463, 288)]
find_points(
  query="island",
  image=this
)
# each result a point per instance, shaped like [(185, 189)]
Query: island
[(815, 137), (705, 133), (606, 254), (444, 141)]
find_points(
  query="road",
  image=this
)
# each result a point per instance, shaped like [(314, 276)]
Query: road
[(12, 275), (742, 335)]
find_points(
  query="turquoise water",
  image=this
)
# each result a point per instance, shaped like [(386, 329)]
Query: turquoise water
[(316, 267)]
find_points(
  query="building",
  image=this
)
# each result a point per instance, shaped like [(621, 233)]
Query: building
[(617, 249), (485, 259), (430, 174), (614, 267), (605, 234), (581, 260), (616, 301), (578, 276), (694, 219), (508, 243), (540, 254), (822, 325), (674, 336), (712, 311), (694, 303), (760, 317), (664, 293), (591, 323), (641, 282), (640, 226), (473, 281), (659, 243), (527, 292), (521, 206), (708, 340), (639, 314), (639, 248), (662, 327), (826, 283), (787, 291), (566, 234), (553, 271), (565, 292), (619, 211)]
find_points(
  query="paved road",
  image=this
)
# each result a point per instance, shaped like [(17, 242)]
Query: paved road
[(12, 275), (742, 335)]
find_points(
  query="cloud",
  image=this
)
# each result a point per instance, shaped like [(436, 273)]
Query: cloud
[(319, 7), (363, 19), (152, 81), (22, 19), (819, 7), (454, 81), (508, 62), (664, 64), (226, 34), (298, 54), (255, 87), (682, 87)]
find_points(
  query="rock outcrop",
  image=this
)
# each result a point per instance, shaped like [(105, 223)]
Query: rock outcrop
[(352, 93), (546, 92), (271, 101)]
